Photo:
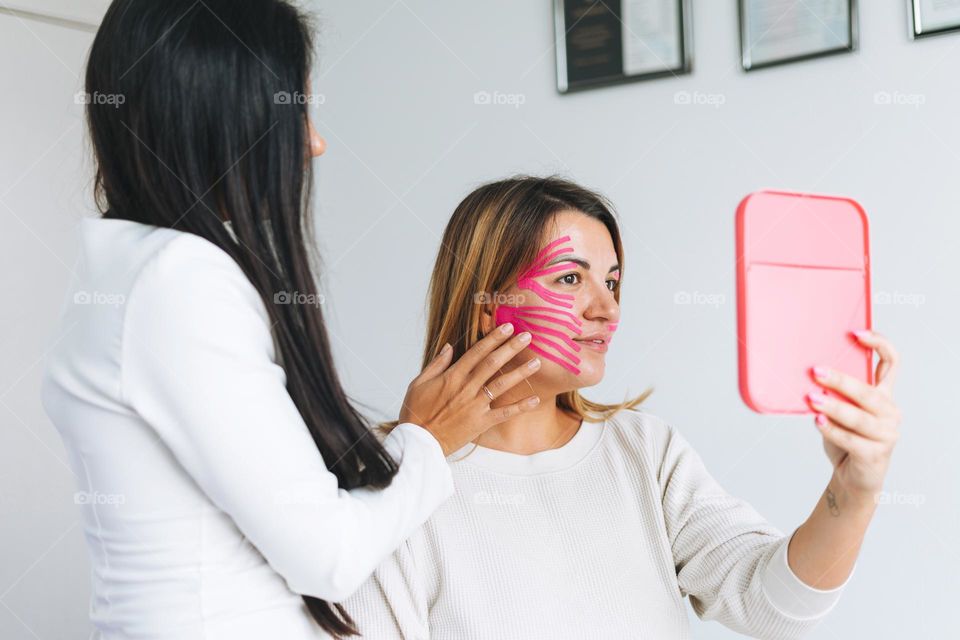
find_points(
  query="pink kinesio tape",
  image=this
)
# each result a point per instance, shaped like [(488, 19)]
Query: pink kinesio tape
[(526, 279), (613, 329), (543, 337), (533, 318)]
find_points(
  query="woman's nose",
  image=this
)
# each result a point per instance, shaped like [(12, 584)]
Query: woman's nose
[(602, 305), (317, 144)]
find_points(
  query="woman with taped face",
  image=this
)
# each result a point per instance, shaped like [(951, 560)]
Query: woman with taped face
[(578, 519)]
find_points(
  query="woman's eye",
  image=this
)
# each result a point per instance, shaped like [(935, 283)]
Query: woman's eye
[(570, 278), (612, 284)]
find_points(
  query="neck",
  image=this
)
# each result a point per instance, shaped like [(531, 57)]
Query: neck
[(546, 427)]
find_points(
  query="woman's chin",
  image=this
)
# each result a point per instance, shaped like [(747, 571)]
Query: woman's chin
[(588, 380), (561, 379), (591, 373)]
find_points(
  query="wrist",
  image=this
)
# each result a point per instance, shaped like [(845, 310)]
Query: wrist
[(851, 500), (444, 447)]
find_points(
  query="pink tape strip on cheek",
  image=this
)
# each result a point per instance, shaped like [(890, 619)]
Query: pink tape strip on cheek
[(612, 328), (574, 319), (506, 314), (565, 365), (515, 315), (556, 347), (535, 328), (562, 323), (548, 296)]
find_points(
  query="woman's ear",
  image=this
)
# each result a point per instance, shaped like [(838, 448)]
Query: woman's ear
[(488, 315)]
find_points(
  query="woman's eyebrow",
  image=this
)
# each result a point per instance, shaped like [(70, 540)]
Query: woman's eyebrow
[(569, 258), (578, 261)]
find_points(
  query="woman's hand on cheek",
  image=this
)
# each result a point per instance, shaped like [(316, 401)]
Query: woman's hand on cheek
[(453, 401), (859, 436)]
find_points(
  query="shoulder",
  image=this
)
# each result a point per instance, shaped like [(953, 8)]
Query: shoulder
[(190, 293), (190, 275), (184, 263), (639, 428), (646, 434)]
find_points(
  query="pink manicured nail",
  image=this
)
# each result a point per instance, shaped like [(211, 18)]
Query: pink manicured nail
[(862, 333), (817, 397), (821, 419), (821, 372)]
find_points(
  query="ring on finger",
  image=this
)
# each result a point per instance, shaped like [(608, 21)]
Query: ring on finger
[(487, 392)]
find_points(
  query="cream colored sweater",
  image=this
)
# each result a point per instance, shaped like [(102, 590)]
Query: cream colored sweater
[(600, 538)]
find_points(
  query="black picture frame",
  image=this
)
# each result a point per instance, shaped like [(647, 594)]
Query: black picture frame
[(916, 24), (608, 67), (747, 63)]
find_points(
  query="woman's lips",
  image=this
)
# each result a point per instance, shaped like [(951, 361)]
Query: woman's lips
[(596, 342)]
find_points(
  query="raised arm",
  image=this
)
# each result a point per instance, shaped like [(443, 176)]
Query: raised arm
[(860, 429), (729, 560)]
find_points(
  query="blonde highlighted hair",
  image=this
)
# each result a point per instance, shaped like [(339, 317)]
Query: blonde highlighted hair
[(494, 233)]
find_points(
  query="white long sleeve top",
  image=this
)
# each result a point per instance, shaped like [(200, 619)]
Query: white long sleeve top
[(602, 537), (206, 506)]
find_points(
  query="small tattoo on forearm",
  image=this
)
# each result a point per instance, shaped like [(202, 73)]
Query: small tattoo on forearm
[(832, 503)]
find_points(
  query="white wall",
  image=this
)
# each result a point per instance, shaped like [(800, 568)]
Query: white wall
[(407, 142), (43, 568)]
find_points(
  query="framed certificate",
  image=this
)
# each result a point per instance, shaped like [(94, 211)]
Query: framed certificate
[(779, 31), (932, 17), (607, 42)]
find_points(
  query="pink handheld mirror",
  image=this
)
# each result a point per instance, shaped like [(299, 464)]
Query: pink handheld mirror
[(803, 285)]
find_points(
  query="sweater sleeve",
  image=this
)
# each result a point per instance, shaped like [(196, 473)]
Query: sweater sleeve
[(198, 366), (729, 560)]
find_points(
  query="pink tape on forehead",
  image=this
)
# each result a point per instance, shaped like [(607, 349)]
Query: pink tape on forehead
[(538, 267), (545, 256), (535, 270), (562, 266), (541, 260)]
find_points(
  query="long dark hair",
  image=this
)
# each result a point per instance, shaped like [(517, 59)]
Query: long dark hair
[(198, 115)]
